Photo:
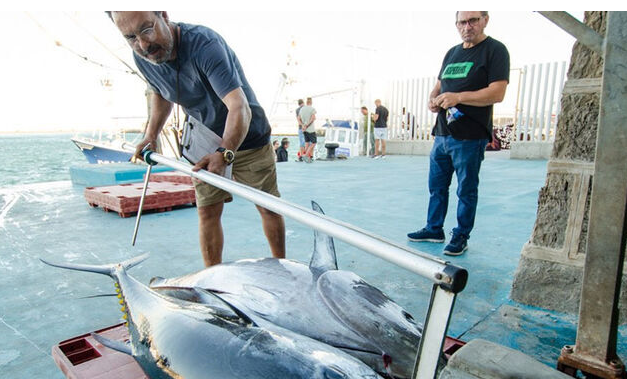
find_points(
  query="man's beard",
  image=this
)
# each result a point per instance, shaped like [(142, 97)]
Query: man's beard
[(155, 47)]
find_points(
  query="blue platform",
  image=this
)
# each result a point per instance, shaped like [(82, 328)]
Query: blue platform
[(41, 305), (92, 175)]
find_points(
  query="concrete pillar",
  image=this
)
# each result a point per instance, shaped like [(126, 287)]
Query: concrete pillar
[(549, 273)]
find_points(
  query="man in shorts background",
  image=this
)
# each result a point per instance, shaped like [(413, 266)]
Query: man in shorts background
[(301, 135), (191, 65), (380, 129), (307, 116)]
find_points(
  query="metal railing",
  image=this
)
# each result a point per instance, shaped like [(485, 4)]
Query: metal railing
[(448, 279)]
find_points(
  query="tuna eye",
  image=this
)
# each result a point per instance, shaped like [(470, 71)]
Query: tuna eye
[(331, 373)]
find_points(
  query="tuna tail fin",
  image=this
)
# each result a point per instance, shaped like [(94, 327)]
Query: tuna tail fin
[(106, 269), (120, 346), (323, 257)]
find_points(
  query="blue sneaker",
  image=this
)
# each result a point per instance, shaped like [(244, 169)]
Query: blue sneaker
[(425, 235), (457, 246)]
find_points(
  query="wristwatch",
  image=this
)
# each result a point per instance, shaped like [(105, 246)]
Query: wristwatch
[(229, 155)]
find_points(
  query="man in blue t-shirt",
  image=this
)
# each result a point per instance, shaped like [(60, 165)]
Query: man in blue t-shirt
[(473, 77), (192, 66)]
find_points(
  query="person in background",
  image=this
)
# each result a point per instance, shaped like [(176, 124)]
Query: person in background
[(275, 146), (306, 117), (380, 129), (473, 77), (281, 153), (193, 66), (301, 136), (368, 137)]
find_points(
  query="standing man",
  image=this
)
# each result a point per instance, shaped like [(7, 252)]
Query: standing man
[(192, 65), (301, 136), (368, 137), (380, 129), (473, 77), (306, 117)]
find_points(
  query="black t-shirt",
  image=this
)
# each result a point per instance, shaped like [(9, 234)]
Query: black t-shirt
[(382, 121), (471, 70)]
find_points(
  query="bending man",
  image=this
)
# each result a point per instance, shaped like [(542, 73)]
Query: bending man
[(191, 65)]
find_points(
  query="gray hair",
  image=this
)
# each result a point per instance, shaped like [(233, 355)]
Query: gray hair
[(110, 14), (483, 13)]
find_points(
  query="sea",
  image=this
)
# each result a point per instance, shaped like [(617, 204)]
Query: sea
[(38, 158)]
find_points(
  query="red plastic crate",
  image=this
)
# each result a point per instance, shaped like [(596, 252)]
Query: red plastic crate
[(124, 198), (451, 345), (83, 357)]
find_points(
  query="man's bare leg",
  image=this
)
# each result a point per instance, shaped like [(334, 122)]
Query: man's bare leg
[(310, 153), (274, 229), (211, 235)]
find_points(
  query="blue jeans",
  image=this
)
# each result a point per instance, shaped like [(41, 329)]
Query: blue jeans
[(301, 137), (464, 158)]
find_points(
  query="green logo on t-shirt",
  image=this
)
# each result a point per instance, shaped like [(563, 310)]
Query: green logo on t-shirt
[(457, 70)]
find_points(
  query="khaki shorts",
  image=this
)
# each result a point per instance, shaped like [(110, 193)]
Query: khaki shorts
[(254, 167)]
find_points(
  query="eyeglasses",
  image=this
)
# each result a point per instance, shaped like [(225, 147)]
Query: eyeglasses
[(471, 22), (146, 34)]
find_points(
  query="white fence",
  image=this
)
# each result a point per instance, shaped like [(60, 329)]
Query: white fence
[(538, 103), (533, 107), (410, 118)]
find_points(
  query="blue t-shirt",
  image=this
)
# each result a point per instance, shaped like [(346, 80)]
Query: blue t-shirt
[(206, 70), (470, 70)]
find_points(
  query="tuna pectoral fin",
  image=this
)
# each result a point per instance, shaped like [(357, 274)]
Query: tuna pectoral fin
[(368, 311), (323, 257), (215, 303), (106, 269), (120, 346)]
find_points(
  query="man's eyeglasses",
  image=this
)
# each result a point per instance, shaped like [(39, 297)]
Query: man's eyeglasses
[(146, 34), (471, 22)]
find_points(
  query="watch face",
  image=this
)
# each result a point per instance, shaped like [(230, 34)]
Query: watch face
[(229, 156)]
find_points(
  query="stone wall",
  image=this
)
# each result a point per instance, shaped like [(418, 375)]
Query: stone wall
[(550, 270)]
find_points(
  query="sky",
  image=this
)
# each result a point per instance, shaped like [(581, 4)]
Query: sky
[(48, 87)]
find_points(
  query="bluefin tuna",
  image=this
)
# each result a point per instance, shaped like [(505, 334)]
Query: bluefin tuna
[(191, 333), (317, 300)]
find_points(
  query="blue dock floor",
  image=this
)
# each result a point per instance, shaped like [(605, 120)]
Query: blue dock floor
[(41, 305)]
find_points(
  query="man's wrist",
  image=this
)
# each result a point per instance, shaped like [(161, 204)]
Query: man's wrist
[(227, 155)]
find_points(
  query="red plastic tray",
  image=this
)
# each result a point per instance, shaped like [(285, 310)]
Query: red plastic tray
[(124, 198), (83, 357)]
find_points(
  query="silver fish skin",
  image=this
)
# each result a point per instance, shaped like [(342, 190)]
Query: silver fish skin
[(173, 338), (319, 301), (335, 307)]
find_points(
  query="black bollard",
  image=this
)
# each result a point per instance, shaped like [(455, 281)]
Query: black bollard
[(331, 146)]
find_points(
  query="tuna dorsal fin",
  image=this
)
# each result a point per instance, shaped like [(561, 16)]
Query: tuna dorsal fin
[(120, 346), (323, 257)]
